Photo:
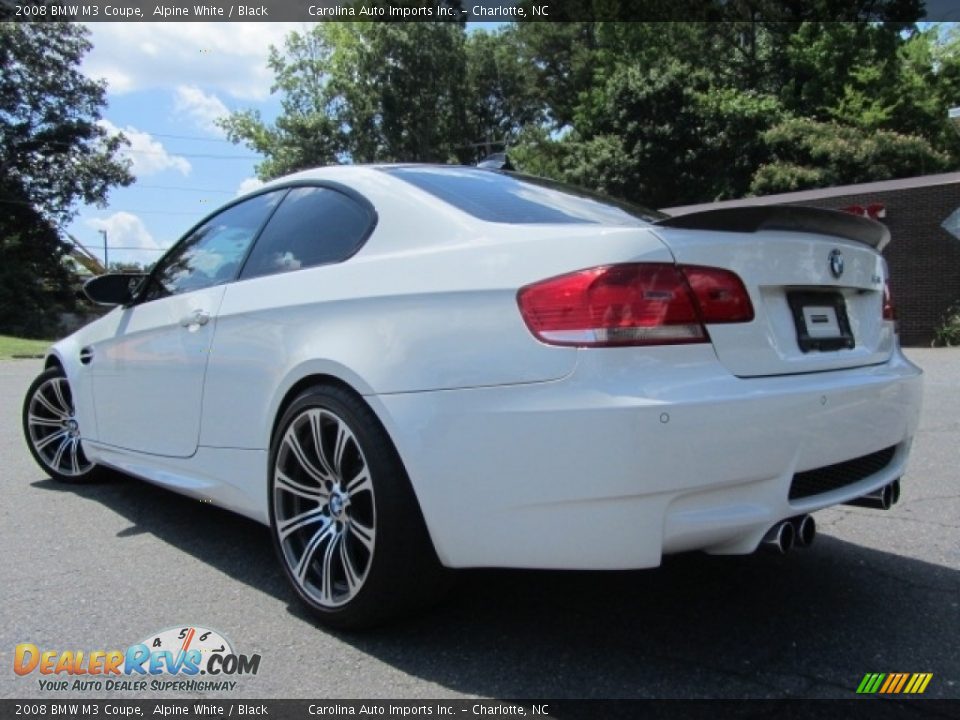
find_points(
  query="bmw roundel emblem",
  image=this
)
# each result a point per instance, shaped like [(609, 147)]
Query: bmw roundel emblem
[(836, 263)]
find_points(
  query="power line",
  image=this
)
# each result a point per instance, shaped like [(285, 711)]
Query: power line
[(194, 213), (186, 137), (127, 149), (174, 187), (190, 155), (131, 247), (129, 210)]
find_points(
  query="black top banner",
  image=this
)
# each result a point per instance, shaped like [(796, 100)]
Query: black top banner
[(905, 11), (190, 709)]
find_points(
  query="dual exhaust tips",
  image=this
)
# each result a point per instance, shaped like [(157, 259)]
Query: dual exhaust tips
[(798, 531), (882, 499)]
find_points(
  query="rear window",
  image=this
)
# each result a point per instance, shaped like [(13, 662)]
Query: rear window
[(313, 226), (497, 196)]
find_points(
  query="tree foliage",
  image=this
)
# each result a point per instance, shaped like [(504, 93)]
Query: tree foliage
[(362, 92), (53, 155), (773, 99), (809, 154)]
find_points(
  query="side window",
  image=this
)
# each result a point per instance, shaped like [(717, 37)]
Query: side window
[(212, 253), (313, 226)]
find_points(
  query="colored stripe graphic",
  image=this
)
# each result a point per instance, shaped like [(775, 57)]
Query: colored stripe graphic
[(891, 683), (903, 681), (870, 683), (894, 683)]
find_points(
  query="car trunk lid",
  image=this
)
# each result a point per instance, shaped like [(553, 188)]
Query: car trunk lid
[(815, 277)]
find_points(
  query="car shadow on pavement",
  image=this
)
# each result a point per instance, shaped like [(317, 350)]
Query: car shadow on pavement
[(241, 547), (810, 624)]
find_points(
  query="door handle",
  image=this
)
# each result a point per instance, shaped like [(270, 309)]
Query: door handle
[(197, 317), (86, 355)]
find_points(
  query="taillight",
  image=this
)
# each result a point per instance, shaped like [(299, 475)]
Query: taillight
[(633, 304), (720, 294), (889, 313)]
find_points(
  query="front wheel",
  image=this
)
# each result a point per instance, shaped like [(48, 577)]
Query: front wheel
[(51, 429), (344, 519)]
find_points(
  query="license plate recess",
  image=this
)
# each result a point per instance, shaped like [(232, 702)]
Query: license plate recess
[(821, 320)]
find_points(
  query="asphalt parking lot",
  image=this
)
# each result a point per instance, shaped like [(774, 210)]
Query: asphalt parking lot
[(103, 566)]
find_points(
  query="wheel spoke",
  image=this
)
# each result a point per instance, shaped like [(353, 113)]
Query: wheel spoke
[(326, 572), (286, 483), (43, 400), (310, 550), (360, 483), (293, 442), (349, 572), (343, 435), (58, 391), (302, 520), (74, 455), (362, 533), (36, 420), (318, 445), (51, 438), (57, 460)]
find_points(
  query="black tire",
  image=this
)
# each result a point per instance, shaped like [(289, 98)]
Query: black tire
[(51, 431), (351, 578)]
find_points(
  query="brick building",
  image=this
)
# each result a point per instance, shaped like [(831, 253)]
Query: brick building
[(923, 214)]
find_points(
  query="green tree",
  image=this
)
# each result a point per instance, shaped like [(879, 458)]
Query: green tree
[(809, 154), (660, 113), (35, 286), (53, 155), (683, 112), (362, 92), (659, 136), (501, 94), (564, 58)]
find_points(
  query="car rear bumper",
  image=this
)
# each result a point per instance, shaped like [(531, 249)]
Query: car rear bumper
[(640, 453)]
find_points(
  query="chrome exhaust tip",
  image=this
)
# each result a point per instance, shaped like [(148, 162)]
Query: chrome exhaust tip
[(779, 539), (881, 499), (805, 528)]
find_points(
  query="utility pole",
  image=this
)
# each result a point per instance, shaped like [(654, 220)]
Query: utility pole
[(106, 259)]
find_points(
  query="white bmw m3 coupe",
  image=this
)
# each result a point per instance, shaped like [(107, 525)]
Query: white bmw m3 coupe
[(407, 368)]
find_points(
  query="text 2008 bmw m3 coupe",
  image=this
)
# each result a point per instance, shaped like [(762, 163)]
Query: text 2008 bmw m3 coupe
[(403, 369)]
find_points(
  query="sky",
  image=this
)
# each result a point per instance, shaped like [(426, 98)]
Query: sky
[(167, 83)]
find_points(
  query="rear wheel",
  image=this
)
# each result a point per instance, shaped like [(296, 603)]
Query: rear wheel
[(51, 429), (345, 522)]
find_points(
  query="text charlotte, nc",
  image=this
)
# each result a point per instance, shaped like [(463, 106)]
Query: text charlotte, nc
[(477, 11)]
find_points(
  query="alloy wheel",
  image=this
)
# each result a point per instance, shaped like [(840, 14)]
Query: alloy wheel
[(324, 507), (53, 430)]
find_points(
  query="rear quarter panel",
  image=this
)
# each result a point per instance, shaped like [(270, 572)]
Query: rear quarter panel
[(429, 303)]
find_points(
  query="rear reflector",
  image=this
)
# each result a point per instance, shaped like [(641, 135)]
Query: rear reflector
[(889, 312), (633, 304)]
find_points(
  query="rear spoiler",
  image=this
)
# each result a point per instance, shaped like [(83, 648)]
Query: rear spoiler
[(796, 218)]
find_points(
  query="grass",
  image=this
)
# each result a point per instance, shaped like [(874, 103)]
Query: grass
[(10, 346)]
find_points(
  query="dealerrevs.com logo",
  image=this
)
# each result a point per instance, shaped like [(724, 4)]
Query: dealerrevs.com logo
[(170, 660)]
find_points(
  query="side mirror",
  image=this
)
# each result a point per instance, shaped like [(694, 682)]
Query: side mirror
[(114, 288)]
